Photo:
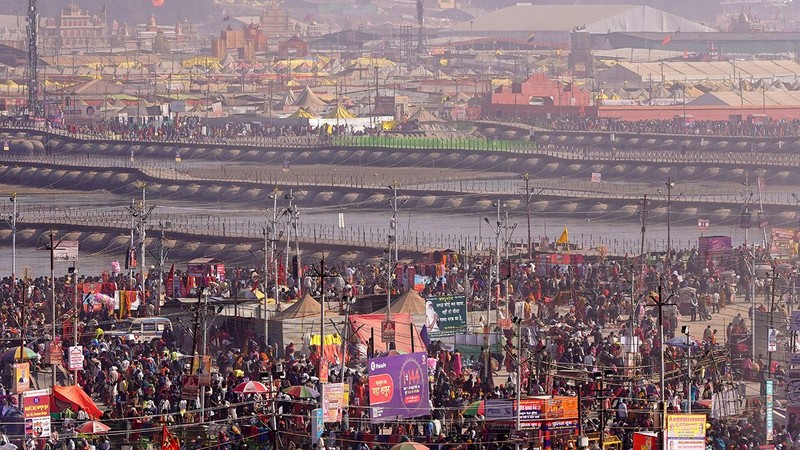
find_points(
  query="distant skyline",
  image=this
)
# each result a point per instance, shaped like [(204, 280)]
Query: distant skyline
[(201, 11)]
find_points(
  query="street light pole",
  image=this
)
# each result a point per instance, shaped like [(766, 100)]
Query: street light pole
[(670, 184), (13, 200), (685, 331), (527, 196), (495, 283)]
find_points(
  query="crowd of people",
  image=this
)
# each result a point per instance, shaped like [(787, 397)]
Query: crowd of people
[(743, 128), (576, 321)]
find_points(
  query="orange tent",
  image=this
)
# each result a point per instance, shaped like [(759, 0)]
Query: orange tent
[(363, 324), (75, 397)]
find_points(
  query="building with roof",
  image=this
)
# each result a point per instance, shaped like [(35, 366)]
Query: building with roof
[(74, 29), (539, 96), (643, 74), (554, 23)]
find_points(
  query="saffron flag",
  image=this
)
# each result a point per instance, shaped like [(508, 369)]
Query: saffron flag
[(168, 441), (564, 238), (170, 290)]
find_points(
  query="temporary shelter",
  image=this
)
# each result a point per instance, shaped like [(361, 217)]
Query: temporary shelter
[(405, 332), (340, 113), (409, 302), (423, 116), (75, 397), (304, 307), (308, 99), (302, 113)]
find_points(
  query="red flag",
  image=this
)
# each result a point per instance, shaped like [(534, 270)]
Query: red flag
[(168, 441), (667, 39), (171, 281)]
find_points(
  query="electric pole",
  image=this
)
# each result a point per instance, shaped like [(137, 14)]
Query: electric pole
[(527, 195)]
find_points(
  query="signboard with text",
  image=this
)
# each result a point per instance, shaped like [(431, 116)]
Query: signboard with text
[(75, 359), (445, 315), (531, 413), (332, 402), (36, 409), (398, 387), (686, 431)]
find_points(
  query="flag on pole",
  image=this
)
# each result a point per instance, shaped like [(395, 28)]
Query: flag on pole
[(564, 238), (168, 441), (170, 290)]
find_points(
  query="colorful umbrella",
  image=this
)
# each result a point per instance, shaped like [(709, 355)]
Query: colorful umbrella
[(410, 446), (93, 427), (13, 354), (301, 392), (474, 409), (251, 387)]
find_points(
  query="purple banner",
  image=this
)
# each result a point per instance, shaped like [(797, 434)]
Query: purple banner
[(398, 387)]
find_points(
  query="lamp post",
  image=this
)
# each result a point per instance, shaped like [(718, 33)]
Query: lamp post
[(670, 184), (13, 222), (393, 250), (162, 257), (518, 321), (685, 331), (495, 280)]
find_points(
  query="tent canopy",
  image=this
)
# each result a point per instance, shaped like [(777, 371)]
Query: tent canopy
[(340, 113), (362, 324), (308, 99), (75, 397), (409, 302), (305, 307), (302, 113), (423, 116)]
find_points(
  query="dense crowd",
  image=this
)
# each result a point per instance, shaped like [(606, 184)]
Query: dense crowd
[(578, 320), (746, 128)]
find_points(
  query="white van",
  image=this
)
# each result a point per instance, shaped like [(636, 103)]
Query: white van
[(140, 329)]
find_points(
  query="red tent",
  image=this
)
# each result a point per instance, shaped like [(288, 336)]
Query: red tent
[(362, 324), (74, 396)]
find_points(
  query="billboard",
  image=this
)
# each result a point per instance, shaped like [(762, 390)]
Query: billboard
[(22, 377), (531, 413), (75, 358), (332, 402), (497, 409), (686, 431), (398, 387), (561, 408), (446, 315), (36, 409), (201, 366), (686, 426)]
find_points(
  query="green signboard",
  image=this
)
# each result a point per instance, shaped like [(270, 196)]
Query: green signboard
[(445, 315)]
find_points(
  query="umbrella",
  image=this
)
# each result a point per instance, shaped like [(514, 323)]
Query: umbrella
[(474, 409), (409, 446), (301, 392), (13, 354), (251, 387), (93, 427)]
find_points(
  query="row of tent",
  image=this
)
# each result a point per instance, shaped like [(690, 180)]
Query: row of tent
[(681, 90)]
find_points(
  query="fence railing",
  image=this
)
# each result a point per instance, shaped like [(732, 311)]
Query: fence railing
[(211, 227)]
